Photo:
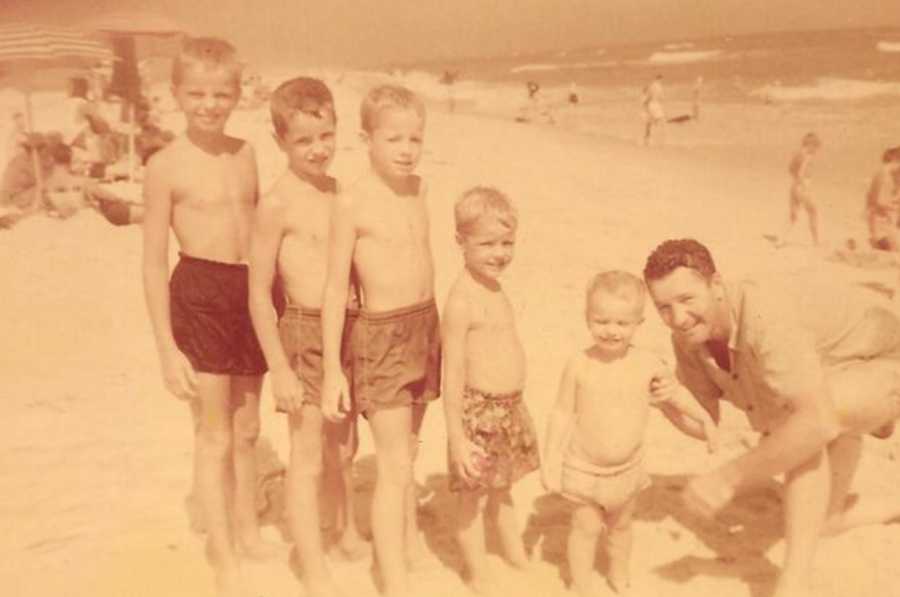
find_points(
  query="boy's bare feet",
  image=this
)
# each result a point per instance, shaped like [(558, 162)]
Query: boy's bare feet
[(322, 588), (254, 548), (484, 585), (885, 431), (230, 583), (354, 549), (417, 557)]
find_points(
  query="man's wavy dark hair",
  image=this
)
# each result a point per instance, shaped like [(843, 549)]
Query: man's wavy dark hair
[(683, 252)]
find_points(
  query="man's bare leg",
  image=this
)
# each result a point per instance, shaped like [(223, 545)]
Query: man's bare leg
[(245, 401), (805, 504), (391, 431), (214, 478), (304, 476)]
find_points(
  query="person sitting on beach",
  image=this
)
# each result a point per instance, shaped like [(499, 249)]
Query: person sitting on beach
[(290, 242), (19, 186), (379, 227), (813, 361), (654, 115), (492, 441), (883, 202), (800, 195), (594, 449), (204, 185), (17, 138)]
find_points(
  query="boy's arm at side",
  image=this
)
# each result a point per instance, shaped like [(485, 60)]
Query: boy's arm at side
[(341, 242), (455, 322), (265, 242), (558, 427), (178, 375)]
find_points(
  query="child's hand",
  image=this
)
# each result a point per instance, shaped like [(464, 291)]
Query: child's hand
[(468, 458), (335, 397), (179, 375), (663, 387), (551, 477), (287, 389)]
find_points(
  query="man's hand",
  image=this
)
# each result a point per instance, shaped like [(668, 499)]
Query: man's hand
[(663, 387)]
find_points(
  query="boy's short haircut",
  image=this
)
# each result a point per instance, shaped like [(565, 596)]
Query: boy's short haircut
[(619, 284), (301, 94), (387, 96), (478, 202), (672, 254), (810, 139), (206, 52)]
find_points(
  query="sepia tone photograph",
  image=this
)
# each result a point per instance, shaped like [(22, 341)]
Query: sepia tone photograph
[(360, 298)]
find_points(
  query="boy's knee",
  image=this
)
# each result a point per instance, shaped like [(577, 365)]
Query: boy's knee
[(306, 465), (214, 444), (395, 470), (247, 431), (587, 521)]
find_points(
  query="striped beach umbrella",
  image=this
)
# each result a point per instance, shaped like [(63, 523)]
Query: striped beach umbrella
[(26, 48)]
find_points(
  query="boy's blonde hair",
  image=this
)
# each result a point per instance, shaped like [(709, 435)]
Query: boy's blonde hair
[(619, 284), (478, 202), (387, 96), (301, 94), (208, 53)]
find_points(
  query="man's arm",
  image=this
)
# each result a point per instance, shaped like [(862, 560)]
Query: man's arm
[(177, 372), (341, 242)]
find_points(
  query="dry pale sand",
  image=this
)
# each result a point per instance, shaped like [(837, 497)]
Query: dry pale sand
[(96, 456)]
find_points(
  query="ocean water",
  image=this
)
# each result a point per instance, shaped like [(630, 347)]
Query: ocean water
[(824, 65)]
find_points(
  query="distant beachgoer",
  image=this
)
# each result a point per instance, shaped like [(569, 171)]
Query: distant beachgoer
[(883, 202), (18, 136), (801, 188), (18, 186), (573, 94), (533, 89), (695, 96), (654, 115)]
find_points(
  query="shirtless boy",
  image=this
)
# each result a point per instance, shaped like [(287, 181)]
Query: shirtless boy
[(492, 442), (290, 240), (883, 202), (203, 185), (380, 228), (594, 449)]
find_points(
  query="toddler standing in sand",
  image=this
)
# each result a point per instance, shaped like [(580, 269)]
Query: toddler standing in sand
[(491, 436), (379, 227), (204, 185), (290, 240), (801, 188), (594, 449)]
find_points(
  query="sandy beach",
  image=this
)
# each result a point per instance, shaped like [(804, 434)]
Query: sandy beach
[(97, 456)]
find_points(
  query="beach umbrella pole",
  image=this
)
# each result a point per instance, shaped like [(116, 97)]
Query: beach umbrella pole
[(35, 159), (131, 142)]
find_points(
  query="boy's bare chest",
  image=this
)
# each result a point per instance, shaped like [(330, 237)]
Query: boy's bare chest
[(395, 224), (212, 181), (618, 383), (308, 222)]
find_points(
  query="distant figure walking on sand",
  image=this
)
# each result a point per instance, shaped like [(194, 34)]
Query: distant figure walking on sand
[(883, 202), (801, 188), (695, 97), (654, 115)]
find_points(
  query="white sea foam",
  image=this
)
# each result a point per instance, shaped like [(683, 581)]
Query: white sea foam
[(525, 68), (683, 57), (828, 89), (888, 46), (678, 46)]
